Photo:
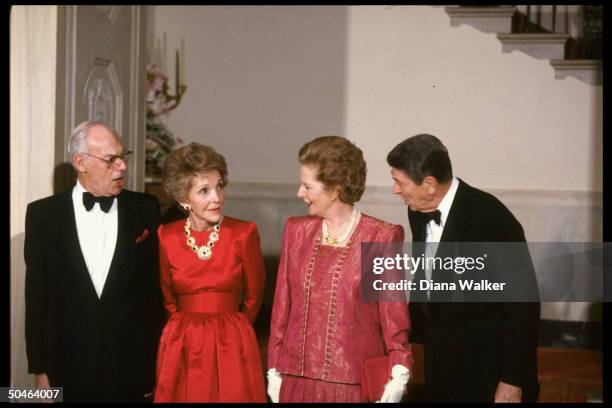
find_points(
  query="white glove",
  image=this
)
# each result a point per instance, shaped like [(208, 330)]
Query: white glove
[(274, 384), (394, 390)]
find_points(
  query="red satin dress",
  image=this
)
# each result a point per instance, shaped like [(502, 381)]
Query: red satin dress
[(208, 349)]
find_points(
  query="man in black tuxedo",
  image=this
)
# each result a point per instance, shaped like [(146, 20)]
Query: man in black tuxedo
[(94, 309), (473, 351)]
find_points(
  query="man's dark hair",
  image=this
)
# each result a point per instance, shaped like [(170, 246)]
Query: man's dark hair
[(421, 156)]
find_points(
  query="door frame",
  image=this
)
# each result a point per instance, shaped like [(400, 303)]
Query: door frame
[(133, 124)]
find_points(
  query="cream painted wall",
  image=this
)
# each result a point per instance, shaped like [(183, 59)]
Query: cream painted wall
[(263, 80), (507, 122), (33, 98)]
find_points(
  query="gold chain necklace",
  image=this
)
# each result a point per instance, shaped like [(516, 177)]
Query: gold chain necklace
[(204, 252), (333, 240)]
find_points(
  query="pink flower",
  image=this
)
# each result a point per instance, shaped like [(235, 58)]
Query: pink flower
[(157, 99), (151, 144), (157, 107), (150, 93), (163, 117), (158, 83)]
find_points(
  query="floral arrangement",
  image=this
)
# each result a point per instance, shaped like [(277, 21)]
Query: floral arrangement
[(159, 141)]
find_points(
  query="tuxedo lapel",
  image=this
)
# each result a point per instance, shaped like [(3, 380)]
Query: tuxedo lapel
[(455, 221), (70, 241), (453, 233), (418, 228), (125, 217), (419, 233)]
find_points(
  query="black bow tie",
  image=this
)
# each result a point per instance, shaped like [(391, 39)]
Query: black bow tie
[(425, 217), (105, 202)]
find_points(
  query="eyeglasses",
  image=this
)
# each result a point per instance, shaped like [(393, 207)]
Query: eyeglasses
[(112, 160)]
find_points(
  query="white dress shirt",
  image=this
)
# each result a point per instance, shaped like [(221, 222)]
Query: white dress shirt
[(434, 231), (97, 233)]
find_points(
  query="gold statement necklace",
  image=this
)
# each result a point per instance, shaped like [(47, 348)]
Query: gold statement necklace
[(330, 240), (204, 252)]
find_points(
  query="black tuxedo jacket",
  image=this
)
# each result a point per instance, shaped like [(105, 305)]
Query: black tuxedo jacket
[(68, 328), (469, 347)]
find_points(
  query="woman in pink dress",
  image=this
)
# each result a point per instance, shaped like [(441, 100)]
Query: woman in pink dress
[(321, 330), (212, 279)]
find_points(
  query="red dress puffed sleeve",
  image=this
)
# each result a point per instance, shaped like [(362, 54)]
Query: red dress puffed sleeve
[(254, 273), (394, 316), (165, 275), (281, 304)]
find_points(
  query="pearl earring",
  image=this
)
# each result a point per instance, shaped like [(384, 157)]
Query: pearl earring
[(187, 207)]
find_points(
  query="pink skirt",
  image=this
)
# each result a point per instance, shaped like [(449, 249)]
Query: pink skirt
[(302, 389)]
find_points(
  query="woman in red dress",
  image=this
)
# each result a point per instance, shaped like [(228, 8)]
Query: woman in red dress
[(212, 279), (321, 329)]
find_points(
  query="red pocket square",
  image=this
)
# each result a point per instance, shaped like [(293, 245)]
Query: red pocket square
[(142, 236)]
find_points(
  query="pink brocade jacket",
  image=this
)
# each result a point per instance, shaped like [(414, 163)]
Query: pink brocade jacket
[(331, 347)]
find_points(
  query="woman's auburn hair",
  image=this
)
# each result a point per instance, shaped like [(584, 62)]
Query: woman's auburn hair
[(187, 162), (339, 164)]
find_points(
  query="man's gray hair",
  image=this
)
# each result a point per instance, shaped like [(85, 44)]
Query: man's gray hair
[(78, 138)]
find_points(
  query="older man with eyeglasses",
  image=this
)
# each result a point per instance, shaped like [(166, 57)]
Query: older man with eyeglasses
[(93, 302)]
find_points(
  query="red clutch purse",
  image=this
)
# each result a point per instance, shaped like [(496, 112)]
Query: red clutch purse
[(374, 376)]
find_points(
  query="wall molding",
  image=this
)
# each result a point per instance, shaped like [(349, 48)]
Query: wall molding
[(383, 195), (546, 216), (137, 109), (69, 78)]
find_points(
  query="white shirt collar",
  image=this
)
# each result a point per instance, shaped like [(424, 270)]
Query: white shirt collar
[(77, 196), (79, 187), (446, 203), (77, 193)]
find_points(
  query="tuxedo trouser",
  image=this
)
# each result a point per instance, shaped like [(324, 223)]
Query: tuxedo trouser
[(105, 388)]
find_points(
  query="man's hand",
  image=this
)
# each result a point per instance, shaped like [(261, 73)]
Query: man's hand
[(508, 393), (42, 381)]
